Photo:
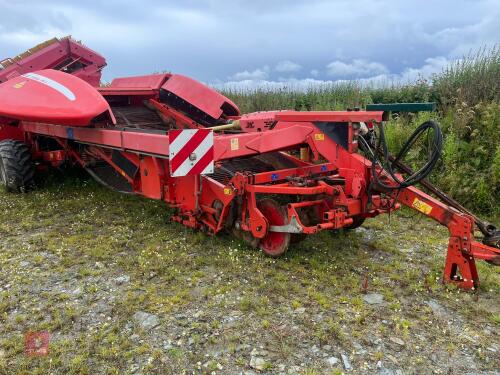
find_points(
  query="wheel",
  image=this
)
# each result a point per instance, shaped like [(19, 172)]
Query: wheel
[(16, 167), (357, 222), (274, 244)]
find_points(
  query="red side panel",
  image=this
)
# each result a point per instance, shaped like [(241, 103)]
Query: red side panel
[(329, 116), (261, 121), (53, 97), (258, 121), (201, 96), (152, 81), (10, 132)]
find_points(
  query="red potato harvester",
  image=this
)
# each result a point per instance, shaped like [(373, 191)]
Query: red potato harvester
[(269, 177)]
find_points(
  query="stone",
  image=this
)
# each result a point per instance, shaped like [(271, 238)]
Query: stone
[(332, 361), (391, 358), (437, 309), (373, 298), (314, 349), (167, 345), (254, 352), (300, 310), (347, 363), (257, 363), (385, 371), (359, 349), (122, 279), (134, 368), (397, 340), (24, 264), (146, 320)]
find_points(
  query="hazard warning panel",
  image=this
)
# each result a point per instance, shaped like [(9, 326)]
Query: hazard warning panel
[(191, 152)]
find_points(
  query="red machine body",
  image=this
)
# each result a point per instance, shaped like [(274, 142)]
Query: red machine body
[(269, 177), (53, 97), (65, 54)]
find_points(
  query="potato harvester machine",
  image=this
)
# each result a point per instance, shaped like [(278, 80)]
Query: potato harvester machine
[(271, 178)]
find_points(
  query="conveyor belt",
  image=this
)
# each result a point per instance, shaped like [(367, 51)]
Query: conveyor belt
[(137, 117), (109, 177), (255, 164)]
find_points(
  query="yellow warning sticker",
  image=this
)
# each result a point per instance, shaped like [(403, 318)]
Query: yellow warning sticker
[(19, 85), (228, 191), (422, 206), (319, 137), (235, 144)]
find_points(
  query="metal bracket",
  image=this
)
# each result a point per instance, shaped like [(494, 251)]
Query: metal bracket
[(292, 227)]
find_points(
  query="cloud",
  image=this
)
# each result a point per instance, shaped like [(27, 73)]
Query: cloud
[(287, 66), (357, 68), (210, 40), (433, 65), (254, 75), (262, 84)]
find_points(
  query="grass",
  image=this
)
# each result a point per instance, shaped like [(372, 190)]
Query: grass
[(63, 246)]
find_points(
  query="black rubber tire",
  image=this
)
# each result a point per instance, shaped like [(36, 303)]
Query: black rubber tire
[(16, 167)]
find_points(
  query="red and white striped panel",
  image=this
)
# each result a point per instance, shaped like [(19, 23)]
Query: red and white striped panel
[(191, 152)]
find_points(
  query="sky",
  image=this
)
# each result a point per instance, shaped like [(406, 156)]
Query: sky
[(261, 42)]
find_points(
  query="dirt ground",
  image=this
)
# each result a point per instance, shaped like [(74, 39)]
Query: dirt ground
[(121, 290)]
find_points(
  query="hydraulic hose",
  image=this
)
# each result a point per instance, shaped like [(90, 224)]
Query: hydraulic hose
[(389, 163), (381, 157)]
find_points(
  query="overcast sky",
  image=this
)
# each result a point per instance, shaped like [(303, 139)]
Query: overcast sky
[(219, 41)]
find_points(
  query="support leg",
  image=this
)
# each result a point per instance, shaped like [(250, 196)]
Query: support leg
[(460, 268)]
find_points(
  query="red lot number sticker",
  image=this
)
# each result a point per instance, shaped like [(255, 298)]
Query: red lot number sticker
[(36, 343)]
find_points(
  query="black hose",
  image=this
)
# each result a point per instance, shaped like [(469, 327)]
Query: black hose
[(490, 232), (381, 157)]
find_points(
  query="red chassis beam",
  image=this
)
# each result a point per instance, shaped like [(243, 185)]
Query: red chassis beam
[(157, 144)]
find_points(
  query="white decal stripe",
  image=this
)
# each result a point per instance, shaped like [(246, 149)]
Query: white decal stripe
[(209, 168), (201, 150), (181, 140), (51, 83)]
